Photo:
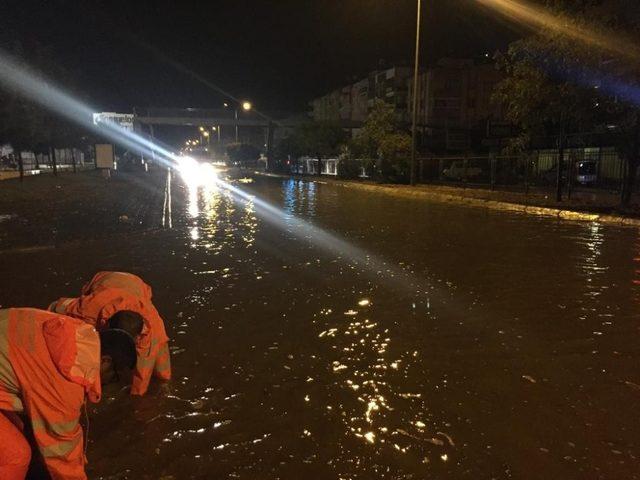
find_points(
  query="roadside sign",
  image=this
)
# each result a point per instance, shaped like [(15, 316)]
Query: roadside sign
[(104, 155)]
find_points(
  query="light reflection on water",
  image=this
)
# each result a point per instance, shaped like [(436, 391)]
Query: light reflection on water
[(292, 363)]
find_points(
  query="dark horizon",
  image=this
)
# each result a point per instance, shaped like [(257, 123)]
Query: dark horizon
[(124, 54)]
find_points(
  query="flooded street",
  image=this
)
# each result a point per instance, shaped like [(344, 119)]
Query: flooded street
[(332, 333)]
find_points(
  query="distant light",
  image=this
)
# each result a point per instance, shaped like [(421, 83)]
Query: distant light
[(205, 133), (202, 129), (225, 104), (246, 106), (213, 129)]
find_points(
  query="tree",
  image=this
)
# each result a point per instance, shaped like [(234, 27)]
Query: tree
[(27, 125), (315, 139), (383, 146), (573, 77), (243, 154)]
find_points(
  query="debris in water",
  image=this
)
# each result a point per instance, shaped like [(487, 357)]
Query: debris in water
[(449, 439), (633, 386), (529, 378)]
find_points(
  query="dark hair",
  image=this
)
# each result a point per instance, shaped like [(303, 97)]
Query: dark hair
[(120, 346), (127, 320)]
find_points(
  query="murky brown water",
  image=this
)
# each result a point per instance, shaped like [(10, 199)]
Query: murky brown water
[(398, 339)]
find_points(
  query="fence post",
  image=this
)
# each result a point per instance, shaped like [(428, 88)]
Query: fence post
[(73, 159), (623, 179), (53, 161), (560, 165), (492, 170), (526, 172), (20, 165), (570, 167), (466, 166), (440, 165)]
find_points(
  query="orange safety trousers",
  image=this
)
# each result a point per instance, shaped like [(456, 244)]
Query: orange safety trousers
[(15, 452)]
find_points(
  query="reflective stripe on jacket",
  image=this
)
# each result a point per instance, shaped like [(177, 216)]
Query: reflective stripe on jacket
[(48, 362)]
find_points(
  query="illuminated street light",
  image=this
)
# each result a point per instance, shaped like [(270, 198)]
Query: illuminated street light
[(205, 133), (213, 129), (202, 129), (246, 106)]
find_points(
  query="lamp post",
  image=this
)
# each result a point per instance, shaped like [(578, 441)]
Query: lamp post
[(414, 120), (246, 106)]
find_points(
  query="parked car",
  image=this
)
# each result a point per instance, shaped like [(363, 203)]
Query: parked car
[(457, 171), (587, 172)]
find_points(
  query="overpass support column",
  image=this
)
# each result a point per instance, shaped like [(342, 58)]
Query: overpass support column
[(270, 160)]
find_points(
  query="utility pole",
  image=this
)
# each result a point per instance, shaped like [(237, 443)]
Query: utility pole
[(414, 120), (237, 137)]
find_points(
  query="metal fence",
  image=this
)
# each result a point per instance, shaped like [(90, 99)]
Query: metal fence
[(599, 168), (65, 159)]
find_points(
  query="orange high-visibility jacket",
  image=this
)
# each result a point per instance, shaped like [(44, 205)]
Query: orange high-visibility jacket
[(47, 364), (110, 292)]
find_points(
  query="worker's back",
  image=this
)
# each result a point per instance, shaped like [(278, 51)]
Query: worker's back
[(47, 364), (110, 292), (120, 280)]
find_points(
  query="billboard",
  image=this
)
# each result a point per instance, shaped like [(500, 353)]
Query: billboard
[(104, 155), (124, 120)]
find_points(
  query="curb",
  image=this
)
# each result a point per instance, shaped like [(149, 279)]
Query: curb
[(400, 191), (562, 214)]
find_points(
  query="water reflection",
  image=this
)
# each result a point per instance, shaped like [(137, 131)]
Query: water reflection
[(590, 262), (218, 219), (326, 372), (300, 198), (383, 413)]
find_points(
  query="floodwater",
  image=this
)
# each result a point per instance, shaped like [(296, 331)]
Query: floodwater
[(340, 334)]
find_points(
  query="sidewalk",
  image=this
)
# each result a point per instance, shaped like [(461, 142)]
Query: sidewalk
[(45, 211), (589, 206)]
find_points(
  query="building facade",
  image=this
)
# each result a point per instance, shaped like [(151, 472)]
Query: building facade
[(352, 103), (455, 106)]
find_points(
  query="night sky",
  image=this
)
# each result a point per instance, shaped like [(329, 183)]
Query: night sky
[(278, 53)]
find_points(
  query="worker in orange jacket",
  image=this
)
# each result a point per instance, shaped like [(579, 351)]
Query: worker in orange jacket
[(116, 300), (48, 364)]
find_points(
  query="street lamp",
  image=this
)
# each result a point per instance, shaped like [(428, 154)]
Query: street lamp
[(246, 106), (414, 119), (206, 135)]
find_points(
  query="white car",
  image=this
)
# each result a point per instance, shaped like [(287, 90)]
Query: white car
[(457, 171)]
